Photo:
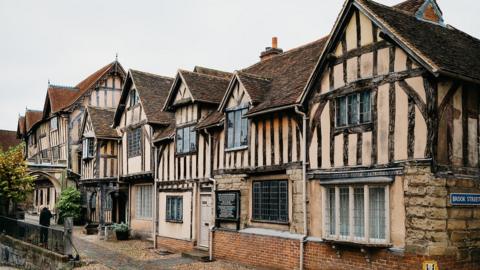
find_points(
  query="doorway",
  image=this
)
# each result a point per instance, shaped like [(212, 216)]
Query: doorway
[(205, 220)]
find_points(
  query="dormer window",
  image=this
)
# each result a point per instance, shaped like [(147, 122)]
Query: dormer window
[(134, 99), (354, 109), (53, 123), (237, 128)]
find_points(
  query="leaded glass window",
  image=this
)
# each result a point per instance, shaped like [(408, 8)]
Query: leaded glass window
[(353, 109), (270, 201), (237, 128), (186, 140), (134, 142)]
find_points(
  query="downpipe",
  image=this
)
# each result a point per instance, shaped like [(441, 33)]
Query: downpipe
[(304, 186), (155, 199), (212, 227)]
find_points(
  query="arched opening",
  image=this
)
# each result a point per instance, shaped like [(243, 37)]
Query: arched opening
[(46, 192)]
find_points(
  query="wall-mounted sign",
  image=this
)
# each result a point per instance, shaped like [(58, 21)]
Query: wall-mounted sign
[(464, 199), (227, 205)]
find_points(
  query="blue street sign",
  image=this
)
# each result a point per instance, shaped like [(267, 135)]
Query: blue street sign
[(464, 199)]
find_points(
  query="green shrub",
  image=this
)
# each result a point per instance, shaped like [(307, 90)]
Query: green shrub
[(69, 204), (122, 227)]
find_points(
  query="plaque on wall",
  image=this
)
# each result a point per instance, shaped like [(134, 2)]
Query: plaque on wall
[(227, 205)]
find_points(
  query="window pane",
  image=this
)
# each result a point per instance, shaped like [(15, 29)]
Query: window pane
[(186, 140), (352, 109), (344, 206), (377, 213), (341, 111), (179, 140), (193, 139), (237, 124), (331, 211), (230, 127), (358, 213), (244, 130), (365, 107)]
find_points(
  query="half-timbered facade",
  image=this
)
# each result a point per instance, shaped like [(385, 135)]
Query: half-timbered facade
[(184, 159), (105, 197), (138, 115)]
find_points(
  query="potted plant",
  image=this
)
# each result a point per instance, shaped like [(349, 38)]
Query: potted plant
[(121, 231)]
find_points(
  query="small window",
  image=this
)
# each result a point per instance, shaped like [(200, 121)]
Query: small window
[(351, 221), (186, 140), (44, 153), (144, 202), (133, 98), (134, 142), (237, 128), (353, 109), (88, 148), (270, 201), (53, 123), (174, 211), (56, 152)]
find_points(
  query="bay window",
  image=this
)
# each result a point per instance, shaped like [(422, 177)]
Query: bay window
[(353, 109), (357, 213), (186, 140), (237, 128)]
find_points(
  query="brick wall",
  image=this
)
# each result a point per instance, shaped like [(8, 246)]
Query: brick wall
[(281, 253), (174, 245)]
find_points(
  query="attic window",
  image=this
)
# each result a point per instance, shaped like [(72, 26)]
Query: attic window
[(53, 123), (88, 148), (133, 98)]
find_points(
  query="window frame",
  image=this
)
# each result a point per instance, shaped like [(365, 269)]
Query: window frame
[(175, 199), (262, 219), (365, 239), (141, 212), (191, 128), (88, 148), (240, 146), (131, 151), (345, 99), (133, 98)]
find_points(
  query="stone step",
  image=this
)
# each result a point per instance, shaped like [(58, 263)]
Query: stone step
[(197, 254)]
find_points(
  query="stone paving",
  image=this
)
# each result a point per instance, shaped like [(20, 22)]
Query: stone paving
[(135, 254)]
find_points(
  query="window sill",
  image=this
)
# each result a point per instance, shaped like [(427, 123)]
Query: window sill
[(239, 148), (174, 221), (356, 244), (270, 222), (360, 128)]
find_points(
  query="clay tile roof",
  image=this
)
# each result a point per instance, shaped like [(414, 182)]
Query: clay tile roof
[(447, 49), (410, 6), (21, 127), (101, 120), (212, 119), (60, 97), (31, 118), (256, 86), (205, 88), (212, 72), (90, 80), (288, 72), (153, 91), (8, 139), (165, 133)]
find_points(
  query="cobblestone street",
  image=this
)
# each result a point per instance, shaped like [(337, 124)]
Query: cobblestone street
[(135, 254)]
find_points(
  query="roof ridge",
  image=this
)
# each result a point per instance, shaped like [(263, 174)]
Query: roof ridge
[(203, 74), (30, 110), (63, 87), (151, 74), (294, 49)]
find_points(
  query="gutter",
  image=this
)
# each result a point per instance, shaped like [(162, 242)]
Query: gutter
[(304, 185)]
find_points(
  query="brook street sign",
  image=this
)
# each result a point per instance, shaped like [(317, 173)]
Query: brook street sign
[(464, 199)]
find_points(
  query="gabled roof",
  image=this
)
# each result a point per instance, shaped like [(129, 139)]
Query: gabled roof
[(410, 6), (164, 134), (32, 117), (58, 98), (278, 81), (8, 139), (445, 50), (441, 50), (205, 85), (101, 120), (21, 127), (152, 90), (213, 119)]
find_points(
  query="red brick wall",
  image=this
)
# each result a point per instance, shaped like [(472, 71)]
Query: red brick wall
[(175, 245), (281, 253)]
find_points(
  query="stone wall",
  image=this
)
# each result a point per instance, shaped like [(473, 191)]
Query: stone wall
[(23, 255), (433, 226)]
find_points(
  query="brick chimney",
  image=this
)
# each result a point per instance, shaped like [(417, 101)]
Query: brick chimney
[(271, 51)]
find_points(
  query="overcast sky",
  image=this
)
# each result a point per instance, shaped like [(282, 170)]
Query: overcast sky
[(65, 41)]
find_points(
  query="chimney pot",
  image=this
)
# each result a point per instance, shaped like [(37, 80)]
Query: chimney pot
[(274, 42)]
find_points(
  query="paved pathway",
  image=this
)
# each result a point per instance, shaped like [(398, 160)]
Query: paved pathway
[(117, 260)]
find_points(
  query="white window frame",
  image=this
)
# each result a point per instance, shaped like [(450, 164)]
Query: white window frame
[(144, 195), (366, 239)]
